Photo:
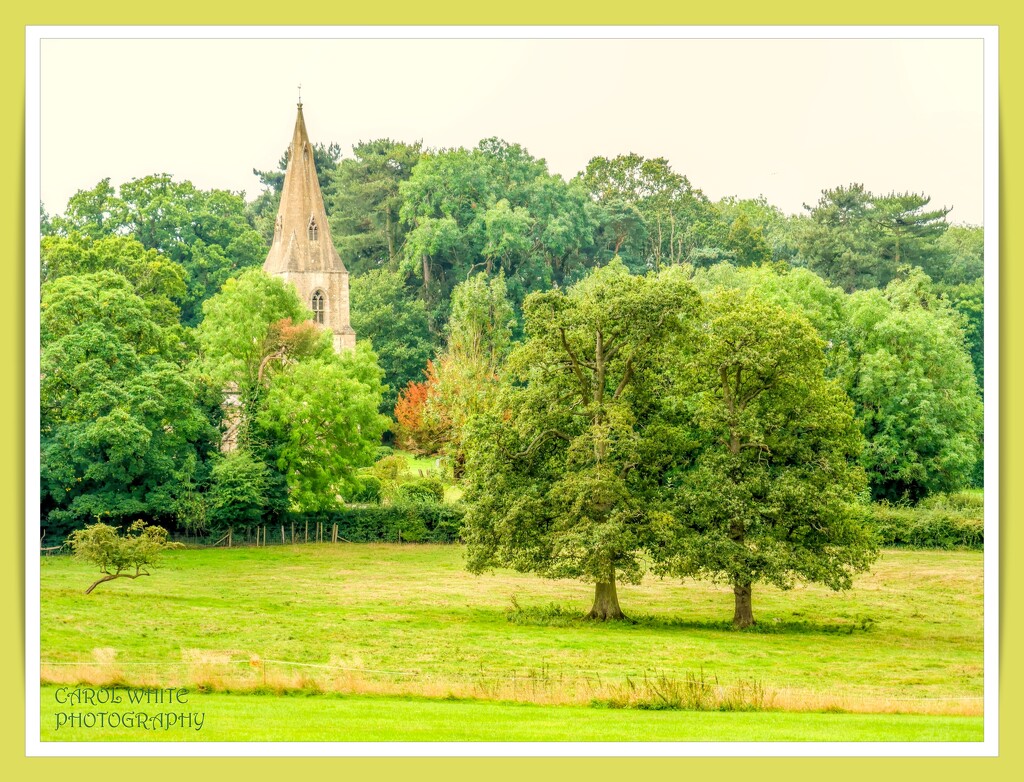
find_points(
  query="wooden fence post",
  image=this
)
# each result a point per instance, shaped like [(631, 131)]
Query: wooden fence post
[(282, 534), (230, 530)]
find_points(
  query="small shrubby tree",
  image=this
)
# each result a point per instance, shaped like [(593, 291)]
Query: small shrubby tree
[(238, 491), (773, 492), (120, 556)]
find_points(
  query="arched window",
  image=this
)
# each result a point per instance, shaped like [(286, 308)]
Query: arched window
[(312, 230), (319, 306)]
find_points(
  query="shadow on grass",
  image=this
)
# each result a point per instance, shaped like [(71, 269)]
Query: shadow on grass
[(554, 615)]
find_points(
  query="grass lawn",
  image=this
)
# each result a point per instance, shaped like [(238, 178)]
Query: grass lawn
[(230, 717), (388, 619)]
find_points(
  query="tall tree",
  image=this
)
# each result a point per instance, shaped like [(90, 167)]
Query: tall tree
[(837, 240), (119, 415), (364, 203), (913, 384), (909, 231), (207, 232), (312, 415), (493, 208), (394, 321), (157, 279), (858, 240), (773, 492), (680, 224), (564, 474), (321, 418)]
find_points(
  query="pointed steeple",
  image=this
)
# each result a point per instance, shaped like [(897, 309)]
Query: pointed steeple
[(302, 235), (302, 250)]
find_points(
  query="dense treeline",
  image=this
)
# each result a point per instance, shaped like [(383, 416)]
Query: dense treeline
[(152, 308)]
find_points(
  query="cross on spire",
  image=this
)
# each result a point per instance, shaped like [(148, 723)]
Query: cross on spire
[(300, 96)]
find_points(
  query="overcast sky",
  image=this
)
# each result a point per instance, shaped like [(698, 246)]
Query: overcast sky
[(782, 118)]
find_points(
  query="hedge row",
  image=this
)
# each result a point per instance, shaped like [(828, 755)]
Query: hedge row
[(938, 526), (408, 520)]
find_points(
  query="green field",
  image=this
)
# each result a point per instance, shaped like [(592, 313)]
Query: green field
[(227, 717), (408, 620)]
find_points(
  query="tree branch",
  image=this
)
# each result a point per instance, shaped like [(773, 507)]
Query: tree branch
[(626, 377), (539, 439), (575, 363)]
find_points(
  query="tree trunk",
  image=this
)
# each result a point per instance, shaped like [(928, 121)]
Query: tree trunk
[(744, 615), (111, 578), (606, 601)]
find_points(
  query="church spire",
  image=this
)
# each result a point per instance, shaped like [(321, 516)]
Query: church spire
[(302, 250)]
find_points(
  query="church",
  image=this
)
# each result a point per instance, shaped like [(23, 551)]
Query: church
[(302, 251)]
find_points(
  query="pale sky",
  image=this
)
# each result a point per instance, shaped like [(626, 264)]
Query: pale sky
[(782, 118)]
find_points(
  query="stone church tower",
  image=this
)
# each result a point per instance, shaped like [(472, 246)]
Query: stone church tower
[(302, 252)]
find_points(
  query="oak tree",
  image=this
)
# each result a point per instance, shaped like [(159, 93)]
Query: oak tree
[(565, 474)]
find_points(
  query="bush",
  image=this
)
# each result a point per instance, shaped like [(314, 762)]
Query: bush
[(391, 468), (421, 490), (968, 502), (369, 490), (942, 521)]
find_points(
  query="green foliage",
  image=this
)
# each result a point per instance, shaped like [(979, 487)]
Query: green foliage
[(310, 413), (321, 415), (968, 299), (159, 281), (395, 323), (794, 290), (935, 523), (116, 555), (421, 490), (963, 255), (759, 232), (410, 521), (563, 475), (368, 489), (463, 381), (207, 232), (237, 332), (118, 413), (857, 240), (653, 216), (364, 203), (900, 355), (238, 491), (913, 385), (494, 208), (391, 468), (772, 493)]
